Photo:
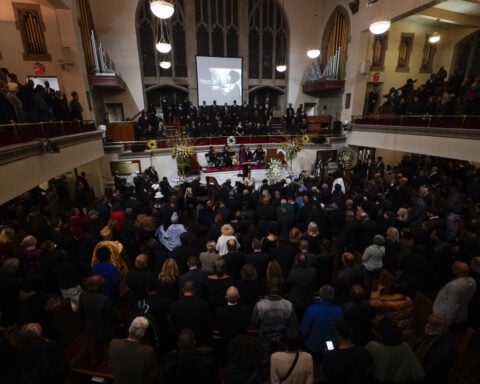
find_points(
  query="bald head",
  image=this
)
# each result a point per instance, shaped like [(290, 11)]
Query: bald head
[(232, 295)]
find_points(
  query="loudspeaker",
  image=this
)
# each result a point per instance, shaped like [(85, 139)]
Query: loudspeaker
[(138, 147), (337, 127)]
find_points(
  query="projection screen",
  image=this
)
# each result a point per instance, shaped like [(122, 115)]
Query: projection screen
[(219, 79)]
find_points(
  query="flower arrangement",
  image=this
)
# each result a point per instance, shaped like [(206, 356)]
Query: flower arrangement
[(291, 147), (345, 157), (181, 152), (275, 170)]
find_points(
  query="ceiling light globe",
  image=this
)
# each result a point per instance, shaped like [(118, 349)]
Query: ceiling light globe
[(379, 27), (163, 47), (313, 53), (281, 68), (162, 9), (434, 38), (165, 64)]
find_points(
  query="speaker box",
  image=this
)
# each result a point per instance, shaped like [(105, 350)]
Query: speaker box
[(337, 127), (138, 147)]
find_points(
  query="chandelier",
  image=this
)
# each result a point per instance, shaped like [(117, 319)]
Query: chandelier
[(163, 9)]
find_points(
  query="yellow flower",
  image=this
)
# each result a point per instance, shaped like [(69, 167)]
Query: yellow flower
[(152, 144), (305, 138)]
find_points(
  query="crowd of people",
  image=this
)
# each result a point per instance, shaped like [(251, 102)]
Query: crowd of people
[(208, 120), (24, 103), (437, 96), (215, 120), (264, 281)]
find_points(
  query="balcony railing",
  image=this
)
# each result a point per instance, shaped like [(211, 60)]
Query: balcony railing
[(433, 121), (11, 134)]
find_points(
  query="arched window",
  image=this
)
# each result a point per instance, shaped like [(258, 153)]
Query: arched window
[(267, 36), (216, 24), (336, 37)]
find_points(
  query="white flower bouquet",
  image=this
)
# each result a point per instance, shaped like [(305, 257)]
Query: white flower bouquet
[(275, 170)]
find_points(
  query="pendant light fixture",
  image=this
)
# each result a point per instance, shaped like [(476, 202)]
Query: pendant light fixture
[(380, 23), (313, 50), (163, 9), (163, 45), (434, 38), (281, 64)]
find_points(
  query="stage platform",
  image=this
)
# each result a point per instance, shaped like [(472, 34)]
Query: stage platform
[(257, 173)]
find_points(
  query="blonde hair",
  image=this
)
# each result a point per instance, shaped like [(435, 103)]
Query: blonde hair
[(295, 235), (6, 236), (227, 230), (211, 246), (392, 233), (312, 229), (169, 272), (402, 214)]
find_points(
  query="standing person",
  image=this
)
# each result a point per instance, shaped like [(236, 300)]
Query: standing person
[(75, 107), (347, 363), (133, 362), (99, 312), (372, 100), (372, 260), (453, 298), (273, 314), (393, 359), (191, 311), (291, 366), (319, 321)]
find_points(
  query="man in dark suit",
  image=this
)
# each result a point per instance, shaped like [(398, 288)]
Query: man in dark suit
[(258, 258), (233, 259), (191, 311), (194, 274), (182, 252), (233, 318), (284, 254)]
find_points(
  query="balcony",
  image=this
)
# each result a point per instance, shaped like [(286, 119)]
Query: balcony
[(456, 137)]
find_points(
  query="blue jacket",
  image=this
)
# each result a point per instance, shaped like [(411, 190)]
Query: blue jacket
[(318, 325)]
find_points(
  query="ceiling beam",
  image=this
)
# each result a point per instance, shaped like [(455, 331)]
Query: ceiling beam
[(452, 17)]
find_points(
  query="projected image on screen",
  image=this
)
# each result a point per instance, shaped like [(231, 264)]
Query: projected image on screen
[(219, 79)]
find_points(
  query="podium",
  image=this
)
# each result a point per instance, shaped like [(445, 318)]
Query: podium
[(318, 124), (121, 131)]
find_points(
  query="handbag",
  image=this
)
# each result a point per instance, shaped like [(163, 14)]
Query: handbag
[(289, 372)]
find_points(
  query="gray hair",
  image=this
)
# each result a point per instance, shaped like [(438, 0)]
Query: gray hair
[(327, 293), (138, 328)]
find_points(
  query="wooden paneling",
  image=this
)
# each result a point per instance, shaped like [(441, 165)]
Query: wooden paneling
[(121, 131)]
